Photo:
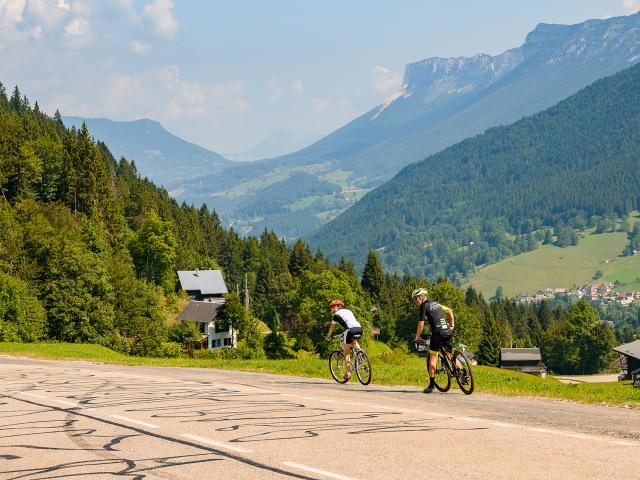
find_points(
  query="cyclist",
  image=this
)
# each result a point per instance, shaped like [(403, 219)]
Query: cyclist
[(352, 327), (441, 331)]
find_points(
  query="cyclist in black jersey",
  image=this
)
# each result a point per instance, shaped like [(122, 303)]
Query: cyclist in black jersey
[(353, 330), (441, 330)]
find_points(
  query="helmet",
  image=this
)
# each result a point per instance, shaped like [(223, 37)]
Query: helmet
[(335, 303), (419, 291)]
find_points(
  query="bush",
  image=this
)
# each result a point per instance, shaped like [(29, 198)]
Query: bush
[(302, 354), (397, 356), (170, 350), (204, 354), (243, 351), (22, 317)]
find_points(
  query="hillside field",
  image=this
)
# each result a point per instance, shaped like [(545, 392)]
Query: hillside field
[(553, 267)]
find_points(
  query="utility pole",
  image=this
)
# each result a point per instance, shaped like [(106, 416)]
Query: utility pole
[(246, 293)]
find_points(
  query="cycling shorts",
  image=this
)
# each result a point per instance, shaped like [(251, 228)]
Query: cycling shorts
[(352, 334), (439, 340)]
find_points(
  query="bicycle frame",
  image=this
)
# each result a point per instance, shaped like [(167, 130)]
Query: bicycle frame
[(352, 354), (446, 355)]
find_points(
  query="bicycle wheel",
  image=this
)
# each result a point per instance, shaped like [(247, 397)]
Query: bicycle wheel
[(363, 367), (338, 366), (443, 377), (463, 372)]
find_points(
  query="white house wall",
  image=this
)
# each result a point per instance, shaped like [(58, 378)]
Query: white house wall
[(213, 336)]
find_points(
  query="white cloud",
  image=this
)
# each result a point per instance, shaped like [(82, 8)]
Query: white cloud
[(128, 8), (384, 79), (47, 12), (36, 32), (77, 27), (11, 14), (297, 87), (160, 13), (141, 48), (276, 94), (163, 95), (319, 104), (276, 91), (631, 6)]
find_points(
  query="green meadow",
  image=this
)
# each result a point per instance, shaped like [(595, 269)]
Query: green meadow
[(553, 267)]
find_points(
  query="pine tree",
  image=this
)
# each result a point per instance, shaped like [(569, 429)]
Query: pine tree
[(346, 266), (489, 349), (15, 103), (373, 276), (4, 101), (300, 259)]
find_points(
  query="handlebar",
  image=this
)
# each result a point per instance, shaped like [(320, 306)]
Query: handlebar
[(339, 335)]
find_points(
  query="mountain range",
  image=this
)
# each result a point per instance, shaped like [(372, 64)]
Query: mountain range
[(573, 166), (158, 154), (442, 101)]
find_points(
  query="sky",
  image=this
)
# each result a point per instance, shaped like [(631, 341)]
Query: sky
[(226, 74)]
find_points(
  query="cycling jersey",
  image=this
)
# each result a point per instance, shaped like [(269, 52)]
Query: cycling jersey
[(345, 318), (435, 314)]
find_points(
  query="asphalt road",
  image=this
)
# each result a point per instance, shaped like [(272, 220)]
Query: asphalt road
[(81, 420)]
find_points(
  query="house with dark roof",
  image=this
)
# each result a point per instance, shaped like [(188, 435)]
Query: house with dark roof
[(206, 289), (204, 314), (629, 360), (526, 360), (202, 284)]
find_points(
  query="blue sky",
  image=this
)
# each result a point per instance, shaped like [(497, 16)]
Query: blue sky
[(227, 74)]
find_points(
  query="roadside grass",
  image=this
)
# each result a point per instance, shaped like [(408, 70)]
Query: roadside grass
[(389, 368)]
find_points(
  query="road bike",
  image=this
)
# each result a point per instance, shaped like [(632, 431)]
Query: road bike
[(451, 363), (359, 362)]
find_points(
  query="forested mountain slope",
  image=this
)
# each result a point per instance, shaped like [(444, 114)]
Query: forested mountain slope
[(442, 101), (494, 194)]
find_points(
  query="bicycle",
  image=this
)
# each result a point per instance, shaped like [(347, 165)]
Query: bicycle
[(451, 363), (359, 360)]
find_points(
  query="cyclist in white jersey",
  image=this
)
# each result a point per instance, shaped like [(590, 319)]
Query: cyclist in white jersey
[(353, 330)]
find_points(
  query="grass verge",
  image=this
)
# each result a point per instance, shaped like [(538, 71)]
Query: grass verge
[(394, 369)]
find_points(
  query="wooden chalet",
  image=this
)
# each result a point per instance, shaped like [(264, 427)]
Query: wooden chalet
[(526, 360), (629, 359)]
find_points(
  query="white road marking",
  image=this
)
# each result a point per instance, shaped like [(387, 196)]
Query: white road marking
[(433, 414), (64, 402), (215, 443), (383, 407), (31, 395), (543, 430), (468, 419), (132, 420), (324, 473), (502, 424), (579, 435)]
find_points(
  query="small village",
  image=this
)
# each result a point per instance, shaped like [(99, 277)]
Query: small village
[(597, 292)]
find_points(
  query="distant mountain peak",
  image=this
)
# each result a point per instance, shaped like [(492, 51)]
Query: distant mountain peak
[(159, 154)]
